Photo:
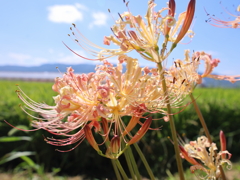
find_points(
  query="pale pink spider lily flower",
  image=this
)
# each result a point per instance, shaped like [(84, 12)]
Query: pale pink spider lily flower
[(186, 71), (208, 160), (210, 64), (134, 33), (184, 75), (141, 86), (99, 100), (141, 34), (226, 24)]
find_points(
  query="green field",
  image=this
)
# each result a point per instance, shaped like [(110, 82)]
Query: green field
[(220, 108)]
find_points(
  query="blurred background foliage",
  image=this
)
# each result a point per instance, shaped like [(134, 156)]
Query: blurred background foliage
[(27, 151)]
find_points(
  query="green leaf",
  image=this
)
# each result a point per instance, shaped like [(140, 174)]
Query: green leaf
[(28, 160), (13, 155), (15, 138), (55, 170)]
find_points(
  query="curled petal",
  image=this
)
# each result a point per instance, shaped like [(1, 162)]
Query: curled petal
[(132, 123), (185, 155), (231, 79), (141, 131), (201, 168), (229, 164), (90, 138), (106, 41)]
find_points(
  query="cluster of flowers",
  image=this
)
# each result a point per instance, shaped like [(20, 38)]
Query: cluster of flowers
[(202, 154), (99, 100)]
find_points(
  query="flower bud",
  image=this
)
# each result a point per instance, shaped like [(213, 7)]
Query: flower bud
[(105, 127), (187, 22), (115, 144), (171, 12), (223, 143)]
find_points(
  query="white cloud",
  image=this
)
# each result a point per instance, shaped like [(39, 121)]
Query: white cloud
[(39, 61), (51, 51), (66, 13), (19, 57), (100, 19), (24, 60), (80, 6)]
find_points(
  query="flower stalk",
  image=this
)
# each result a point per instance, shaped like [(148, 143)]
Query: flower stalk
[(132, 164), (172, 124), (118, 176), (129, 164), (200, 116), (120, 168), (150, 173), (203, 123)]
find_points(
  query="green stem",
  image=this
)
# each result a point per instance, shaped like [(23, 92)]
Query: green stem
[(116, 170), (200, 116), (150, 173), (120, 168), (172, 125), (222, 173), (134, 164), (129, 163)]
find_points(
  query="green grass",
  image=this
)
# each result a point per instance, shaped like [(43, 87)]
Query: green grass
[(220, 108), (9, 104)]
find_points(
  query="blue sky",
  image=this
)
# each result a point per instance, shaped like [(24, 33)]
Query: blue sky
[(32, 31)]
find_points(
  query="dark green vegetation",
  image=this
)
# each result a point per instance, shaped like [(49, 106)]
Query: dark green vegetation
[(220, 108)]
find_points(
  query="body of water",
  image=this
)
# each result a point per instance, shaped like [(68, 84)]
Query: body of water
[(29, 75)]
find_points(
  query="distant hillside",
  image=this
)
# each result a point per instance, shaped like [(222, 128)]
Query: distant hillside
[(86, 68), (209, 82), (80, 68)]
